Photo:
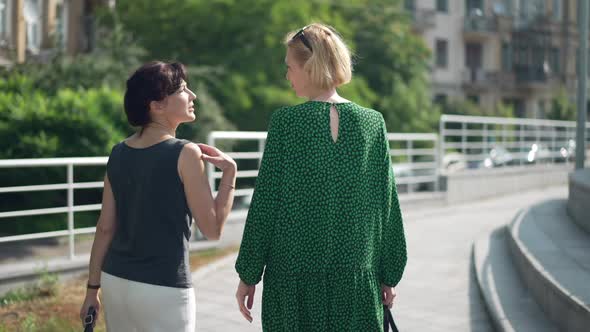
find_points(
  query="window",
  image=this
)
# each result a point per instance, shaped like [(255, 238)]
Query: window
[(509, 6), (532, 9), (538, 56), (442, 50), (61, 24), (473, 55), (4, 25), (506, 56), (440, 99), (32, 11), (442, 6), (474, 99), (499, 8), (554, 60), (522, 55), (557, 10), (473, 5)]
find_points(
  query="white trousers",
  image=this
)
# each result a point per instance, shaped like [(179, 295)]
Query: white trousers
[(131, 306)]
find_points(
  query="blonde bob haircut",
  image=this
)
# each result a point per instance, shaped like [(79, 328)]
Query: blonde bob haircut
[(322, 54)]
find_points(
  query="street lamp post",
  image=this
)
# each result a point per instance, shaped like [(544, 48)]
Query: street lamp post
[(582, 81)]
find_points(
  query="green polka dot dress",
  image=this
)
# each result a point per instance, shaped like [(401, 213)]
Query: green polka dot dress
[(324, 224)]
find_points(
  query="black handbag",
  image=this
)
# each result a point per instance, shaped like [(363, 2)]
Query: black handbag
[(388, 320)]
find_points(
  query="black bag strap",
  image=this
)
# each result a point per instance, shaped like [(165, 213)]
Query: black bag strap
[(89, 320), (388, 320)]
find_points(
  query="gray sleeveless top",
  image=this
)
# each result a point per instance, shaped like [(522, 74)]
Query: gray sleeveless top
[(151, 240)]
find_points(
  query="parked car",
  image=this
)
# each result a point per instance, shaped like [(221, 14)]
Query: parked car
[(402, 171), (453, 162), (539, 153), (568, 152), (498, 157)]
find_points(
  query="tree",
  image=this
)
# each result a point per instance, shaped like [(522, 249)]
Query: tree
[(243, 41), (562, 108), (394, 62)]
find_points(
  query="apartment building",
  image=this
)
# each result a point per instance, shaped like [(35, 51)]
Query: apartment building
[(38, 28), (520, 52)]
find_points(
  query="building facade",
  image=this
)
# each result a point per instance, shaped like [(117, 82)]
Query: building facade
[(519, 52), (39, 28)]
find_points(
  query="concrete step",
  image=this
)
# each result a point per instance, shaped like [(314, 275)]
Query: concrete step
[(579, 198), (509, 303), (552, 256)]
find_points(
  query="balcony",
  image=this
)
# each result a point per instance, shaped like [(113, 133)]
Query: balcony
[(536, 77), (478, 79), (478, 27), (422, 19)]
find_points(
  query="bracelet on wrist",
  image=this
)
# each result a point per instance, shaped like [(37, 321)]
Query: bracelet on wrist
[(227, 185), (90, 286)]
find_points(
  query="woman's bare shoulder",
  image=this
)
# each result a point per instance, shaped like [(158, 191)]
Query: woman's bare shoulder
[(190, 151)]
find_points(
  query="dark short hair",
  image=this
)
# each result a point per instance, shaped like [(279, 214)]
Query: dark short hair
[(153, 81)]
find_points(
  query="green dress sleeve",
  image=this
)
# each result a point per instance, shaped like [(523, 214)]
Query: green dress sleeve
[(393, 256), (263, 208)]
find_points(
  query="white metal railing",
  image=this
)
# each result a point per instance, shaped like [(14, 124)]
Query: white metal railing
[(418, 161), (257, 136), (488, 142), (417, 166), (70, 185)]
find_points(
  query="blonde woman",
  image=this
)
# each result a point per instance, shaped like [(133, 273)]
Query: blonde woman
[(324, 225)]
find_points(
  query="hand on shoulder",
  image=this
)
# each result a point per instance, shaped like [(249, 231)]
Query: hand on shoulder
[(216, 157)]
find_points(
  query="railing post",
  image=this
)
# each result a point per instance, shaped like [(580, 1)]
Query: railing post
[(441, 142), (567, 145), (504, 139), (409, 151), (464, 137), (485, 138), (261, 145), (71, 209), (437, 162), (521, 144), (552, 149), (537, 134)]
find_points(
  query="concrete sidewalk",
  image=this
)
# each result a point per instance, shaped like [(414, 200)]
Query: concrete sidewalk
[(438, 291)]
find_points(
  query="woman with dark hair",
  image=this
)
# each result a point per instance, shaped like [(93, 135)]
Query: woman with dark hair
[(155, 184)]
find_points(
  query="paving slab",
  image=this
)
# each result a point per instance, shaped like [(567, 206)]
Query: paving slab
[(439, 290)]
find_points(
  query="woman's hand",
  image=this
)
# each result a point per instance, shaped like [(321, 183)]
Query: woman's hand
[(387, 295), (91, 300), (217, 158), (245, 290)]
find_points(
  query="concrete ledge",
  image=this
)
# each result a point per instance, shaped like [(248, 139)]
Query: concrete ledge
[(550, 254), (476, 184), (509, 303), (578, 204)]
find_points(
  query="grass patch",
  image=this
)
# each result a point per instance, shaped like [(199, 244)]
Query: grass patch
[(49, 306), (46, 286)]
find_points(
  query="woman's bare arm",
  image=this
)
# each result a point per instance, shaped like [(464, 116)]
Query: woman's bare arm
[(210, 213)]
